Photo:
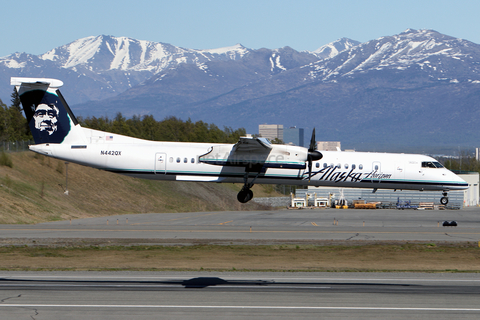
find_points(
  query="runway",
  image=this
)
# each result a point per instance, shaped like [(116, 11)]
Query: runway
[(178, 295), (261, 227)]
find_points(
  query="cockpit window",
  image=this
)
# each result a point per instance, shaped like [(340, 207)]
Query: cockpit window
[(431, 164), (438, 164)]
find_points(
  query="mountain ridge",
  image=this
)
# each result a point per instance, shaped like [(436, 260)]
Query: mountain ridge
[(415, 86)]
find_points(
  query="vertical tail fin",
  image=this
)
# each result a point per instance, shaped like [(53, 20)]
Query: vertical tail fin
[(48, 115)]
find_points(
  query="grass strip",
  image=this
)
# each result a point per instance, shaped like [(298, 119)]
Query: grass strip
[(426, 257)]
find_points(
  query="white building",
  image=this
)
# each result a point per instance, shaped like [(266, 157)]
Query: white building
[(471, 195)]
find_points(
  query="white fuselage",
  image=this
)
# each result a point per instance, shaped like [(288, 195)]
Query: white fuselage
[(180, 161)]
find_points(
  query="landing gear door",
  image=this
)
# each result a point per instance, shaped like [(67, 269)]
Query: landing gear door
[(160, 163)]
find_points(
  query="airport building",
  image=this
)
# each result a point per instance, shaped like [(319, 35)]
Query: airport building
[(271, 131), (471, 195), (293, 135)]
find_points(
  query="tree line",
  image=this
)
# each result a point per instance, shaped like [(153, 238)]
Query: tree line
[(14, 127), (463, 163), (169, 129)]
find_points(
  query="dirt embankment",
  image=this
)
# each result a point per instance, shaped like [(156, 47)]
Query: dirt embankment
[(32, 191)]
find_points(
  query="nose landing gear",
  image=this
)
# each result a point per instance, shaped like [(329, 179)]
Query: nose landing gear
[(444, 199)]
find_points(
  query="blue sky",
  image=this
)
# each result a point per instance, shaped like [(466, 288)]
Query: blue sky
[(38, 26)]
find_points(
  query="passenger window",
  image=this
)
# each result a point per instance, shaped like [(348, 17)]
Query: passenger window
[(171, 159), (193, 160), (376, 167), (353, 166), (185, 160), (331, 165), (325, 165), (346, 166), (317, 165), (360, 166), (178, 160), (339, 165)]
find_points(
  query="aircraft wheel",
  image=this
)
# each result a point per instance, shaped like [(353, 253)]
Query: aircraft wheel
[(444, 201), (245, 195)]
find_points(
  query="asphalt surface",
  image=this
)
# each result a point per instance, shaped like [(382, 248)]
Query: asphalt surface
[(178, 295), (261, 227)]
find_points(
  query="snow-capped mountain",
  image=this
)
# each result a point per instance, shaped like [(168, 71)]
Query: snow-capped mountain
[(438, 56), (106, 65), (105, 53), (333, 48)]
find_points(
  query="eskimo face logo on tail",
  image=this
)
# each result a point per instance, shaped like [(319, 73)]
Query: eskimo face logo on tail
[(46, 118)]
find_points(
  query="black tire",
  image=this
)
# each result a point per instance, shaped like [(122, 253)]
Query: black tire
[(245, 195), (444, 201)]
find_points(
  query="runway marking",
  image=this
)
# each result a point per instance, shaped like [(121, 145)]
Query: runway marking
[(26, 305), (223, 223), (314, 224)]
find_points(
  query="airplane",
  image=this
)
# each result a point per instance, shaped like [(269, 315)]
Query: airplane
[(250, 161)]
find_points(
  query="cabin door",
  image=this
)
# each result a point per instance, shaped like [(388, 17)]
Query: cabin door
[(399, 171), (160, 163)]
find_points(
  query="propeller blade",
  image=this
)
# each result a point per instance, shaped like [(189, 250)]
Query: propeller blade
[(313, 154), (313, 142)]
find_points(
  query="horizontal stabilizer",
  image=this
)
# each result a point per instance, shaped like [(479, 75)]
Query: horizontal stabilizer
[(52, 83)]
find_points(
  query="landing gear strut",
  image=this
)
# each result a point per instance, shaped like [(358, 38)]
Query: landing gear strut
[(444, 199)]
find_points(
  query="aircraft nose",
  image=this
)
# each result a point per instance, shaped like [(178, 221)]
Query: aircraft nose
[(462, 184)]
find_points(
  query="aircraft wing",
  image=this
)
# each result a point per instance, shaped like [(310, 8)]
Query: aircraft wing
[(255, 153), (247, 151)]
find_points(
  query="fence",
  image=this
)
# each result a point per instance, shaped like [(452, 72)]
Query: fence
[(15, 146)]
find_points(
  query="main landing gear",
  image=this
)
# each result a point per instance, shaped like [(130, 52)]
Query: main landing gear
[(444, 199), (246, 194)]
